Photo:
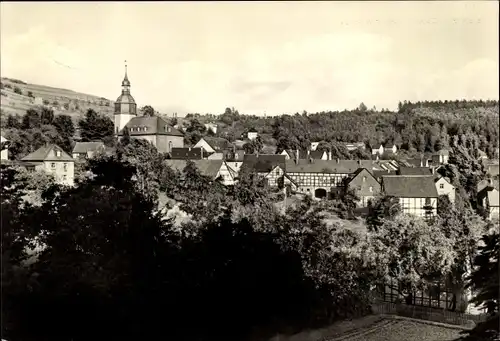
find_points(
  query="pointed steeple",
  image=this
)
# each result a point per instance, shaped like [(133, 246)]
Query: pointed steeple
[(125, 81)]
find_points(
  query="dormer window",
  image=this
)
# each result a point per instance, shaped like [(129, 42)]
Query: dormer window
[(167, 128), (58, 153), (145, 128)]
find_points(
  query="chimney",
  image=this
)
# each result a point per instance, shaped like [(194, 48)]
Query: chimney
[(490, 182), (311, 160), (308, 152), (297, 156), (189, 148), (388, 170), (329, 154), (338, 160), (432, 170), (359, 163), (201, 152), (257, 153)]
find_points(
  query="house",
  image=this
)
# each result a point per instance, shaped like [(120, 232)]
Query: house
[(350, 146), (4, 143), (318, 177), (211, 127), (270, 166), (235, 159), (86, 150), (252, 134), (54, 160), (214, 169), (306, 155), (444, 187), (213, 144), (390, 148), (491, 167), (364, 184), (378, 151), (289, 154), (386, 165), (488, 199), (441, 157), (186, 153), (314, 145), (417, 194), (157, 131), (414, 171), (420, 162), (481, 155), (151, 128)]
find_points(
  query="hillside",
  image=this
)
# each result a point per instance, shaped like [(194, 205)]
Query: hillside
[(18, 96)]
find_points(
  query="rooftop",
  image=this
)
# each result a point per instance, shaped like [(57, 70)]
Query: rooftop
[(409, 186), (151, 125), (48, 153), (327, 166)]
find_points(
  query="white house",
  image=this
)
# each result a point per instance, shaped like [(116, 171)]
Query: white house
[(211, 127), (5, 148), (54, 160), (314, 145), (444, 187), (213, 144), (252, 135), (379, 150)]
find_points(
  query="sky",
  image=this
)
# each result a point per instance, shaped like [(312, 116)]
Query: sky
[(258, 57)]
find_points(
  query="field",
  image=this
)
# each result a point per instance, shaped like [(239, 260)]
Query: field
[(18, 96)]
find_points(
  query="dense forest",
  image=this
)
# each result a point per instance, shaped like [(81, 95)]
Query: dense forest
[(416, 127)]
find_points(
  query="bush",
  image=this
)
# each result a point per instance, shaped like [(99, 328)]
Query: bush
[(55, 103), (46, 102), (8, 86), (66, 106), (17, 90), (30, 94)]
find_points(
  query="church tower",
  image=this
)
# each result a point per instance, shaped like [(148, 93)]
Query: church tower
[(125, 107)]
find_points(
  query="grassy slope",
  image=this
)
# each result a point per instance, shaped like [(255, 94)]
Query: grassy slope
[(12, 103)]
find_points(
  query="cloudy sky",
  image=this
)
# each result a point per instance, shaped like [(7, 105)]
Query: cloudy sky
[(273, 57)]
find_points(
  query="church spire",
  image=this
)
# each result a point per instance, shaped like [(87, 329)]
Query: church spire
[(125, 82)]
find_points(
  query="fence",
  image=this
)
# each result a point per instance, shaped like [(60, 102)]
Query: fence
[(427, 313)]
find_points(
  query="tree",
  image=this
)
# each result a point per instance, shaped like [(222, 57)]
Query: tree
[(148, 110), (381, 208), (64, 125), (125, 140), (484, 281), (95, 127), (47, 116), (195, 131), (13, 122), (31, 119), (362, 107), (411, 251), (17, 90), (30, 94)]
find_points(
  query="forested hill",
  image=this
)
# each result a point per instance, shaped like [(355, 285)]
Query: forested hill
[(416, 127)]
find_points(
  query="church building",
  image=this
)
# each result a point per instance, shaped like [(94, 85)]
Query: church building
[(152, 128)]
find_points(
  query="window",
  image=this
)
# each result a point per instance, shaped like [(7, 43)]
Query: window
[(167, 128), (53, 165), (364, 179), (371, 189), (65, 177), (441, 186), (427, 201), (169, 146), (58, 153), (65, 166), (145, 128)]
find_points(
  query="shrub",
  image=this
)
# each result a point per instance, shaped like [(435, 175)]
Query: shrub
[(55, 103), (8, 86), (17, 90), (30, 94), (66, 106), (46, 102)]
